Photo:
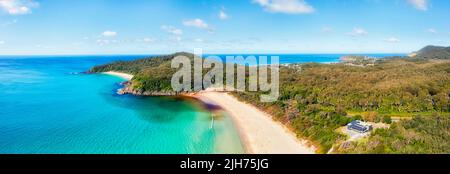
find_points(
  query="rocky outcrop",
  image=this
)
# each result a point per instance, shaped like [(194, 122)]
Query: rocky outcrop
[(128, 89)]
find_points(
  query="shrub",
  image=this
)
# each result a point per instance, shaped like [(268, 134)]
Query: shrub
[(387, 119)]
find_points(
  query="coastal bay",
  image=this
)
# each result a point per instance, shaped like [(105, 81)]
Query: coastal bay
[(259, 133), (50, 107)]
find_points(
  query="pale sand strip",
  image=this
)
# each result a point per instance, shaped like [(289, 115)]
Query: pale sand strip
[(119, 74), (259, 133)]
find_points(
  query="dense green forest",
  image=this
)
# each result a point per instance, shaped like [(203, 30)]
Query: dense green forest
[(421, 135), (150, 74), (316, 99)]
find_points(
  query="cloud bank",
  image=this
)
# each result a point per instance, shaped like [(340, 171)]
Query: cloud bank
[(286, 6), (18, 7)]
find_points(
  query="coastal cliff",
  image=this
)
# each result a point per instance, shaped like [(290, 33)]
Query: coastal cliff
[(129, 89)]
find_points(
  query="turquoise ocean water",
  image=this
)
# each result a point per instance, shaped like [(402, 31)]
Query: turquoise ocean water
[(47, 106)]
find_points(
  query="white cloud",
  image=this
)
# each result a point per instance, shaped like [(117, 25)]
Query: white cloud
[(102, 42), (286, 6), (148, 40), (327, 29), (18, 7), (2, 42), (432, 30), (223, 15), (177, 33), (109, 34), (392, 40), (198, 40), (198, 23), (357, 32), (419, 4), (172, 30)]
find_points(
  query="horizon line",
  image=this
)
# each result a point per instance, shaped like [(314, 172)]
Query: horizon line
[(151, 54)]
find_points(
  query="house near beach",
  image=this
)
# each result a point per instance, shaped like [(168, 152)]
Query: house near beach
[(359, 126)]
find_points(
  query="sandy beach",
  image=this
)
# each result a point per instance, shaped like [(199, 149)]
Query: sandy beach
[(119, 74), (259, 133)]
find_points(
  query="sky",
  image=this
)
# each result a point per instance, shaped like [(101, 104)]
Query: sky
[(87, 27)]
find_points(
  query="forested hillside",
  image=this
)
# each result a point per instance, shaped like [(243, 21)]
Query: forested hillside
[(434, 52), (316, 99), (150, 74)]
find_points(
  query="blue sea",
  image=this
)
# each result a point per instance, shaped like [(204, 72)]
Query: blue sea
[(302, 58), (49, 107)]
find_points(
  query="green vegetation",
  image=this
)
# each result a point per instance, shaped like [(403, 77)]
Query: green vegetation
[(434, 52), (387, 119), (136, 66), (430, 135), (150, 74), (317, 100), (358, 60)]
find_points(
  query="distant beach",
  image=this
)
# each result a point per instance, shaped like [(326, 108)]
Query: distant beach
[(119, 74)]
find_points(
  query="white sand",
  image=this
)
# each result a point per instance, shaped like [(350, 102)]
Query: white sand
[(119, 74), (259, 133)]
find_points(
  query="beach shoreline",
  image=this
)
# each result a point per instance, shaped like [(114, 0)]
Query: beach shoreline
[(120, 74), (259, 133)]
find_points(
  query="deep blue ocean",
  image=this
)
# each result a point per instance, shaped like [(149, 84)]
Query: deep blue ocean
[(48, 106)]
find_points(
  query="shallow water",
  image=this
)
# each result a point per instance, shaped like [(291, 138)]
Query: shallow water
[(46, 107)]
